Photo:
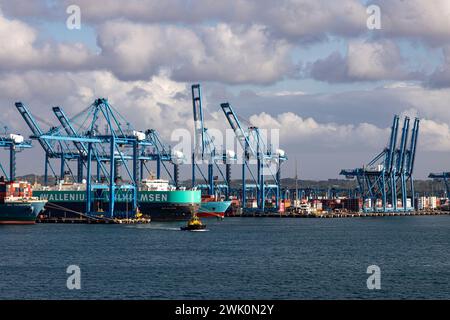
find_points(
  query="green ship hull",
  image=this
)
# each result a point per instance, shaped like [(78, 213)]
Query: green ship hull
[(158, 205)]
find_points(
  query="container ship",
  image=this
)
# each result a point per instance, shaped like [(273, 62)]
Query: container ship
[(156, 199), (17, 206), (211, 206)]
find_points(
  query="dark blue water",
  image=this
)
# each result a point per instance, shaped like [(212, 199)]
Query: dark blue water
[(239, 258)]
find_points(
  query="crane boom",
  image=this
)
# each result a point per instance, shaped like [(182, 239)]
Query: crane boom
[(198, 121), (65, 122), (241, 134), (401, 152), (413, 147), (35, 129)]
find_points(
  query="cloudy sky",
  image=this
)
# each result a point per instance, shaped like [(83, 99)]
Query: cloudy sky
[(311, 68)]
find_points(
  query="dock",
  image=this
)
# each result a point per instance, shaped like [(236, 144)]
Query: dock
[(93, 220), (328, 215)]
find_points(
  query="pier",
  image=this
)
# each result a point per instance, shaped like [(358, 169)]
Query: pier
[(83, 220), (326, 215)]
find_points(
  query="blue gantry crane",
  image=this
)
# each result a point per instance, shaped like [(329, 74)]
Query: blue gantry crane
[(13, 143), (99, 155), (158, 151), (80, 147), (151, 148), (206, 152), (444, 177), (384, 180), (59, 150), (116, 145), (268, 163)]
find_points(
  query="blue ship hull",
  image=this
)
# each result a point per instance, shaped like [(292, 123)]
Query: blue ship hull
[(213, 209), (20, 212)]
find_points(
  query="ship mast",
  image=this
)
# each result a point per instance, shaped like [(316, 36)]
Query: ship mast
[(296, 182)]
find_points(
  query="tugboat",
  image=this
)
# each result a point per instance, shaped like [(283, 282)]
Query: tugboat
[(194, 224)]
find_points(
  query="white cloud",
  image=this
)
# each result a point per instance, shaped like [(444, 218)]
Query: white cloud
[(217, 53), (304, 20), (312, 136), (147, 104), (440, 78), (374, 61), (435, 136), (19, 50), (138, 51), (401, 85), (314, 20), (428, 21), (309, 134), (246, 41), (364, 61), (17, 42), (282, 93)]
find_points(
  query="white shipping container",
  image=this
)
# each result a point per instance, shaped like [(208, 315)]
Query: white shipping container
[(421, 203), (433, 202)]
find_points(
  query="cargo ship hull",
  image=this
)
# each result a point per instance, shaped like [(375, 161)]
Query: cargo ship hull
[(213, 209), (20, 212), (157, 205)]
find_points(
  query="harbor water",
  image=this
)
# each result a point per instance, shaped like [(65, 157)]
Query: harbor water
[(238, 258)]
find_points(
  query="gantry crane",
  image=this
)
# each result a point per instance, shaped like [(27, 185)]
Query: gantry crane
[(13, 143), (444, 177), (206, 151), (268, 163), (85, 143), (115, 145), (59, 150), (151, 139), (384, 180), (157, 150)]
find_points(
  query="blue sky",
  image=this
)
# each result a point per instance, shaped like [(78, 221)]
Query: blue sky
[(310, 68)]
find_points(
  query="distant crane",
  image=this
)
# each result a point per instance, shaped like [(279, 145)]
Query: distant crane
[(385, 178), (444, 177), (205, 151), (255, 150), (13, 143)]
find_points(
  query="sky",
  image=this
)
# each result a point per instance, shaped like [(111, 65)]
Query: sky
[(310, 68)]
